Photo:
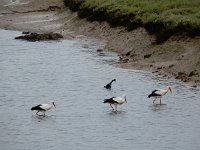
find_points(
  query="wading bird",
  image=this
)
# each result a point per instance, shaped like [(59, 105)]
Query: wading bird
[(115, 101), (108, 86), (43, 107), (159, 93)]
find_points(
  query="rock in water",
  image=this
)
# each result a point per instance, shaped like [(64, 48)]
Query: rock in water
[(32, 37)]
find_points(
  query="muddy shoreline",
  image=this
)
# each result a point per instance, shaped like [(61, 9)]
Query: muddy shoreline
[(178, 57)]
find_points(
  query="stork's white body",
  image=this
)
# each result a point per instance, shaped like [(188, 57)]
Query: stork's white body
[(43, 107), (159, 93), (119, 100), (115, 101), (46, 106)]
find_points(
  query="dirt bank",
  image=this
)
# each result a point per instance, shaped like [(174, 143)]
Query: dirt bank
[(178, 57)]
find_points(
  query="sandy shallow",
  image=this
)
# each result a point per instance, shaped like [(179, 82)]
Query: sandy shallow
[(179, 57)]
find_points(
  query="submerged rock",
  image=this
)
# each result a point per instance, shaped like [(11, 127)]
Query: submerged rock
[(40, 37), (99, 50), (147, 56), (193, 73), (25, 32), (182, 76)]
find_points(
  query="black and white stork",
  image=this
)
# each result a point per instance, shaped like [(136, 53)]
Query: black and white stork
[(116, 101), (108, 86), (159, 93), (43, 107)]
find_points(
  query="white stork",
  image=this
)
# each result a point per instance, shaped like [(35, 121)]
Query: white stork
[(108, 86), (116, 101), (43, 107), (159, 93)]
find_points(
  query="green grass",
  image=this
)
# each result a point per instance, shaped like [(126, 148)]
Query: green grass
[(160, 17)]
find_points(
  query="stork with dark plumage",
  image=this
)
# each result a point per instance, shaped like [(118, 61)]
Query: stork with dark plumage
[(108, 86)]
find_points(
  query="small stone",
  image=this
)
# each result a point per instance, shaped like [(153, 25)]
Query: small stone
[(128, 53), (170, 66), (193, 73), (147, 56), (194, 86), (25, 32), (99, 50)]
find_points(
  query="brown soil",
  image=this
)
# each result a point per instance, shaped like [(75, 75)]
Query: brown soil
[(178, 57)]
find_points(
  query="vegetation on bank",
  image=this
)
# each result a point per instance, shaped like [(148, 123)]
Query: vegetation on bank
[(163, 18)]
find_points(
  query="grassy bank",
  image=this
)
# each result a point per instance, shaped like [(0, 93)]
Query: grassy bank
[(163, 18)]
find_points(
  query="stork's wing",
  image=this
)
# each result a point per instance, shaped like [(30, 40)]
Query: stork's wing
[(118, 99), (44, 106), (110, 100), (158, 92), (37, 107)]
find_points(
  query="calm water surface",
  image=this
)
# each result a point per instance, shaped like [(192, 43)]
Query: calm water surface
[(73, 76)]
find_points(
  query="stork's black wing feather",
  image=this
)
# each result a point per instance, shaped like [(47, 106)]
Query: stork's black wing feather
[(37, 108), (110, 100), (153, 94)]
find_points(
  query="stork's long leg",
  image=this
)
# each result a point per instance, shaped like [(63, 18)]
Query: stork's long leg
[(115, 107), (154, 99), (112, 107), (160, 101), (37, 113)]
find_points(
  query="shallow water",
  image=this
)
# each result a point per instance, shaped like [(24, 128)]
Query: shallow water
[(73, 76)]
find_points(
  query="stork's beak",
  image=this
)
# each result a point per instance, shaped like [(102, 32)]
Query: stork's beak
[(54, 105), (125, 100)]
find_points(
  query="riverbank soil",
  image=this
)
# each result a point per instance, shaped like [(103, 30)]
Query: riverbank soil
[(178, 57)]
